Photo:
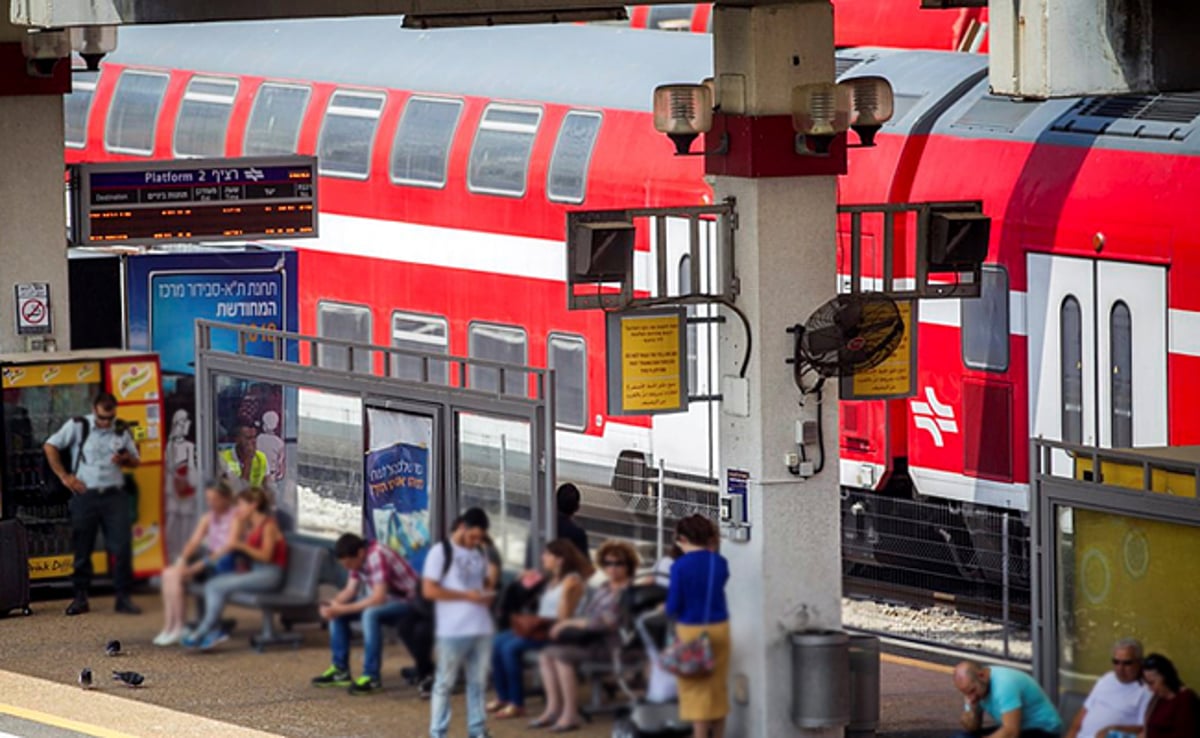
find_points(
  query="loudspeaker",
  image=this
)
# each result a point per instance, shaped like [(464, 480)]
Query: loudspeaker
[(603, 252), (958, 242)]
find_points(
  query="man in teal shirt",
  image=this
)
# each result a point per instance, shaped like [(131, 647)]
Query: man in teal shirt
[(1011, 697)]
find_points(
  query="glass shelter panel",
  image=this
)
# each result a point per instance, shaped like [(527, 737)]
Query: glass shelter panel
[(494, 473), (329, 487), (1121, 576)]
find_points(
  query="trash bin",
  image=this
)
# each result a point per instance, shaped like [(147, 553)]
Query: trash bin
[(864, 686), (820, 679)]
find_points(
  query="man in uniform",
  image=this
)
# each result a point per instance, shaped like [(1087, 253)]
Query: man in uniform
[(100, 452)]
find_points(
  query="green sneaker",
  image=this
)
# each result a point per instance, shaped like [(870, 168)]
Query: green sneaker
[(333, 677), (365, 685)]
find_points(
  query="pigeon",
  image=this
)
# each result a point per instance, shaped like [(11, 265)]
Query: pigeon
[(85, 678), (128, 678), (113, 648)]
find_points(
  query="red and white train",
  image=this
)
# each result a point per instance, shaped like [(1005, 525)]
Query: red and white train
[(858, 23), (450, 158)]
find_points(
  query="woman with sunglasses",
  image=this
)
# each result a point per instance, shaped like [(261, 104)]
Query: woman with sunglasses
[(1172, 712), (590, 636), (696, 602)]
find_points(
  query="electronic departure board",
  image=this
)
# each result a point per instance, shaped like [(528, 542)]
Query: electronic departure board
[(189, 200)]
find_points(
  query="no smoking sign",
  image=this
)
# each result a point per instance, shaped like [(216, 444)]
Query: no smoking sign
[(33, 308)]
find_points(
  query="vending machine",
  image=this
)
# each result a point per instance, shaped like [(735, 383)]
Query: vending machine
[(41, 392)]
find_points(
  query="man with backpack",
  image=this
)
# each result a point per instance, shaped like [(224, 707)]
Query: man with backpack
[(89, 454), (460, 581)]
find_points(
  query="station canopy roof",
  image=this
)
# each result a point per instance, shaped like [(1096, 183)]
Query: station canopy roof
[(418, 13)]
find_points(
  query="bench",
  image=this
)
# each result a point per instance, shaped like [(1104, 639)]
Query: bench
[(294, 601)]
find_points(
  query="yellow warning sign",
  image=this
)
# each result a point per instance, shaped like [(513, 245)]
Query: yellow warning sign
[(650, 361), (896, 377)]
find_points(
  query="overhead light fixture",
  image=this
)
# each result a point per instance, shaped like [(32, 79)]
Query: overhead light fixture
[(683, 112), (871, 105), (820, 112), (93, 42), (44, 48)]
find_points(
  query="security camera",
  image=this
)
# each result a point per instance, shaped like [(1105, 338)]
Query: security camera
[(44, 48), (93, 42)]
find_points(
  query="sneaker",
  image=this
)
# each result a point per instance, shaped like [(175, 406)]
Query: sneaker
[(168, 638), (365, 685), (212, 638), (333, 677), (78, 606), (425, 688), (191, 639)]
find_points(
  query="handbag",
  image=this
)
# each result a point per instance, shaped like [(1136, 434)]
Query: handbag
[(531, 627), (694, 657)]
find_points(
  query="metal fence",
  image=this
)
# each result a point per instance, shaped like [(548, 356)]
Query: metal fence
[(965, 558)]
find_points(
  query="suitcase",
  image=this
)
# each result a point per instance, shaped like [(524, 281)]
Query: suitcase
[(14, 568)]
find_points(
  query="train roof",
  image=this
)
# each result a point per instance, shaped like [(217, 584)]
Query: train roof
[(570, 64)]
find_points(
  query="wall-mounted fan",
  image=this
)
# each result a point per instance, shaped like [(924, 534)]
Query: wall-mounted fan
[(849, 334)]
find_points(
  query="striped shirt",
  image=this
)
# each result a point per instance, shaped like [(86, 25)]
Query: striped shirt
[(384, 566)]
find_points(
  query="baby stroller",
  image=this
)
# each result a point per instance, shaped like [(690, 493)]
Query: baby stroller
[(656, 714)]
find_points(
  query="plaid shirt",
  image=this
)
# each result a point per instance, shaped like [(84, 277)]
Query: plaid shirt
[(385, 566)]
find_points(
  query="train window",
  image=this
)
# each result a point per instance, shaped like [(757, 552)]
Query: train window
[(693, 358), (77, 105), (567, 180), (422, 147), (500, 156), (985, 323), (204, 117), (507, 344), (670, 17), (274, 125), (346, 323), (1070, 331), (348, 134), (430, 333), (133, 115), (567, 356), (1121, 354)]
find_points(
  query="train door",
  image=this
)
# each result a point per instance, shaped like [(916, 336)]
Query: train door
[(1097, 351)]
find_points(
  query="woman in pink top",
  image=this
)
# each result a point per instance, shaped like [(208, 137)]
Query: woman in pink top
[(207, 553)]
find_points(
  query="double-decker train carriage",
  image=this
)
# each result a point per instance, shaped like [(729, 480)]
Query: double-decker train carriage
[(449, 159), (857, 23)]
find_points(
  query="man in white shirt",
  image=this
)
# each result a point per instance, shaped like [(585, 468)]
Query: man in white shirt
[(458, 579), (1119, 699)]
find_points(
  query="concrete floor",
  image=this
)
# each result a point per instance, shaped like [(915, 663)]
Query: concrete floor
[(270, 693)]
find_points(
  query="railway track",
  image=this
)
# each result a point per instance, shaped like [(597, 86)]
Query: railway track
[(973, 605)]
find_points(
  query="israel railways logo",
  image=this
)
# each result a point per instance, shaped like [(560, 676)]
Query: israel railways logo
[(933, 416)]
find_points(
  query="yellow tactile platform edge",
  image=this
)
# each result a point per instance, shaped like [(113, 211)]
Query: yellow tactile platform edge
[(102, 715)]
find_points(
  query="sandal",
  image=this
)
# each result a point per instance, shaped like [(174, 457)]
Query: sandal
[(496, 705), (509, 711), (545, 721)]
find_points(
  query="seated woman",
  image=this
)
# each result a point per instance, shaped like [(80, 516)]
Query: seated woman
[(561, 599), (1172, 711), (266, 548), (591, 636), (205, 555)]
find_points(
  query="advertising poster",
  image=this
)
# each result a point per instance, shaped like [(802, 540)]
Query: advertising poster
[(397, 482), (166, 294)]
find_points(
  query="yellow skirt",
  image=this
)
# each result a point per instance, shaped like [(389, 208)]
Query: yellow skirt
[(706, 698)]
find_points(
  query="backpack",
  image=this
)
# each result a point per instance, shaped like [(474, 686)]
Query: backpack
[(70, 459)]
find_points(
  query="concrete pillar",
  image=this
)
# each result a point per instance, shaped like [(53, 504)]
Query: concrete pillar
[(32, 207), (788, 576)]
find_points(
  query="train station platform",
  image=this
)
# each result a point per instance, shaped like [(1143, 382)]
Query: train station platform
[(237, 693)]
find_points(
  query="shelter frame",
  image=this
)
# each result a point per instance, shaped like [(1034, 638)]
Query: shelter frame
[(379, 390), (1055, 485)]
